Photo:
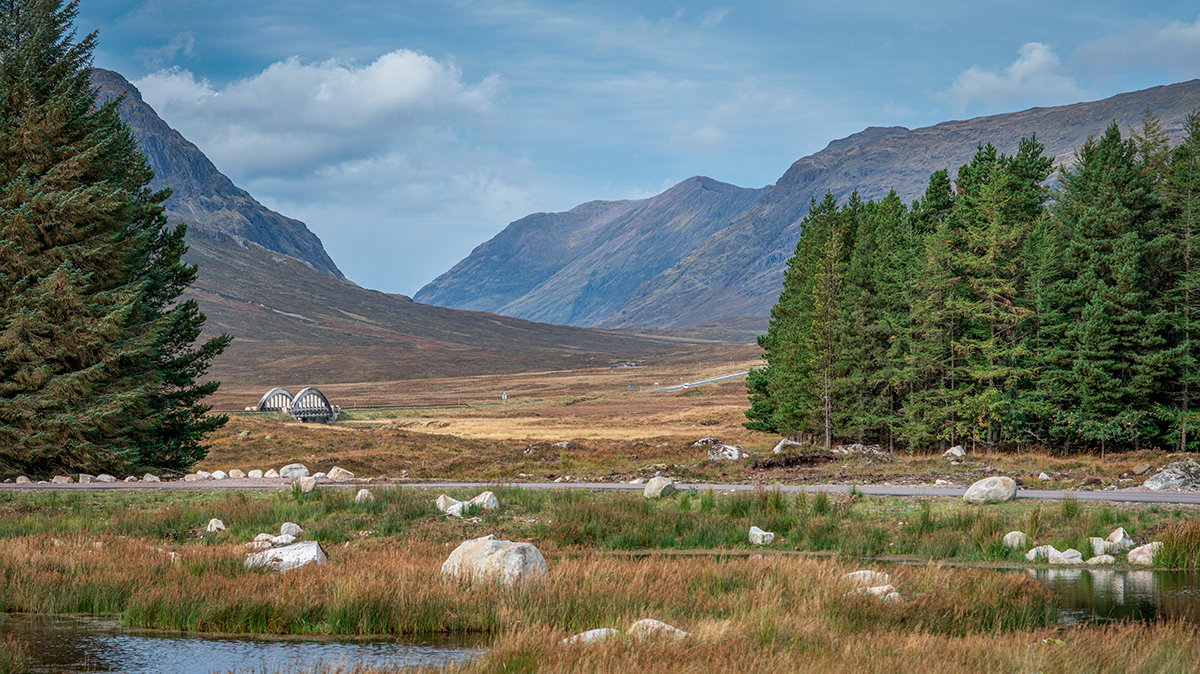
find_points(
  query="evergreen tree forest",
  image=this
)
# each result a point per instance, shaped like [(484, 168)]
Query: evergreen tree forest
[(998, 312), (99, 369)]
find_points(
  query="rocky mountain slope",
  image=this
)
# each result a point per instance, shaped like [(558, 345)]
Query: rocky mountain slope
[(575, 268), (201, 192)]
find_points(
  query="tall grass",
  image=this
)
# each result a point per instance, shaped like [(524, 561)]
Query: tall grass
[(1181, 546), (14, 655)]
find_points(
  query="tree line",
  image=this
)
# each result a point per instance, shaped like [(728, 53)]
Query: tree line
[(996, 310)]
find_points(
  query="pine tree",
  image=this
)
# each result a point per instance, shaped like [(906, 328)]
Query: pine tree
[(97, 371), (1182, 200)]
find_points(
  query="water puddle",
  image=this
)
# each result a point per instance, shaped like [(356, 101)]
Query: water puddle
[(1096, 594), (68, 644)]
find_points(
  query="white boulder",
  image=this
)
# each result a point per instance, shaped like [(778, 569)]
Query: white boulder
[(490, 559), (760, 537), (649, 628), (236, 474), (1016, 540), (339, 474), (880, 591), (726, 453), (255, 474), (1068, 556), (445, 503), (591, 636), (293, 471), (149, 477), (219, 475), (1043, 477), (364, 497), (991, 490), (1042, 553), (785, 445), (659, 486), (1143, 555), (290, 529), (485, 501), (288, 557), (62, 479), (1101, 559), (215, 525), (131, 478), (282, 540), (307, 484), (22, 479), (192, 477), (204, 475), (84, 478), (955, 452), (1120, 540), (271, 473), (867, 578), (105, 477)]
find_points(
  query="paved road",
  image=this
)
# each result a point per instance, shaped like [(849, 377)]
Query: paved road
[(691, 384), (1186, 498)]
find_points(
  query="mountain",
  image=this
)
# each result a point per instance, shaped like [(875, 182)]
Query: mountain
[(201, 193), (577, 267)]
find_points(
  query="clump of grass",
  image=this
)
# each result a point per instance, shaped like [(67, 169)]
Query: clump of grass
[(821, 504), (14, 655), (1069, 507), (1033, 523), (707, 500), (1180, 546), (925, 517)]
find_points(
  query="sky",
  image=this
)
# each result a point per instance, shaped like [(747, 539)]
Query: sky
[(405, 133)]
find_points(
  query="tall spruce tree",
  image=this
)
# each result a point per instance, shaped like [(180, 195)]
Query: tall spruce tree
[(97, 367), (1182, 201)]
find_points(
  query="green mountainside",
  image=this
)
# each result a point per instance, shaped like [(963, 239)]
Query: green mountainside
[(201, 193), (575, 268)]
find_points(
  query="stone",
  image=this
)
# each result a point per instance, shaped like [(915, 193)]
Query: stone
[(339, 474), (591, 636), (1178, 475), (282, 540), (21, 479), (364, 497), (84, 478), (659, 486), (307, 484), (704, 442), (490, 559), (867, 578), (105, 477), (1101, 559), (880, 591), (1120, 540), (236, 474), (485, 501), (290, 529), (243, 435), (649, 628), (150, 478), (204, 475), (1043, 477), (1068, 556), (288, 557), (785, 445), (293, 471), (444, 503), (219, 475), (259, 545), (255, 474), (131, 478), (726, 453), (62, 479), (271, 473), (1144, 555), (1016, 540), (1042, 553), (1142, 469), (760, 537), (991, 490), (1099, 546), (264, 538), (319, 475), (192, 477), (955, 452), (940, 482), (215, 525)]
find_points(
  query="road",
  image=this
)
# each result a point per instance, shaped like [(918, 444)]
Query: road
[(690, 384), (1176, 498)]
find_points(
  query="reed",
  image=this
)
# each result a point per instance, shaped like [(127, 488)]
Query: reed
[(14, 655)]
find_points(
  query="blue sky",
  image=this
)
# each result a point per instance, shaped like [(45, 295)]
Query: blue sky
[(407, 133)]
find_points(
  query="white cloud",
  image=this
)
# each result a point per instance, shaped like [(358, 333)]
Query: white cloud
[(1037, 77), (713, 17), (157, 57), (1174, 47)]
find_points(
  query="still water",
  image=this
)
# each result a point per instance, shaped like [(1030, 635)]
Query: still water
[(1125, 595), (88, 644)]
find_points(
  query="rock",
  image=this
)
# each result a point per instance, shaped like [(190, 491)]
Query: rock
[(726, 453), (264, 538), (704, 442), (1042, 553), (955, 452), (485, 501), (1068, 556), (62, 479), (444, 503), (150, 478), (785, 445), (236, 474), (659, 486), (259, 545), (490, 559), (319, 475), (991, 490), (131, 478), (591, 636), (1016, 540), (1099, 546), (271, 473), (105, 477), (282, 540), (649, 628), (293, 471), (892, 596), (215, 525), (255, 474), (1043, 477), (760, 537), (1142, 469), (364, 497), (192, 477), (880, 591), (243, 435), (1144, 554), (1120, 540), (1101, 559), (290, 529), (940, 482), (84, 478), (288, 557), (307, 484), (339, 474), (867, 578), (21, 479), (219, 475), (1176, 475)]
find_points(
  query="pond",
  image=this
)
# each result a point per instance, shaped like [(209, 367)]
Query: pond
[(1098, 594), (91, 644)]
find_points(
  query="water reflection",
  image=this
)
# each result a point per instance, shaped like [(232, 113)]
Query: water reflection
[(84, 644), (1122, 594)]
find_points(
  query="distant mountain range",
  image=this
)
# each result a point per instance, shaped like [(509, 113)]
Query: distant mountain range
[(704, 250)]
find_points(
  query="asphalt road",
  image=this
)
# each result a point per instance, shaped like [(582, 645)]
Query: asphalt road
[(1186, 498), (691, 384)]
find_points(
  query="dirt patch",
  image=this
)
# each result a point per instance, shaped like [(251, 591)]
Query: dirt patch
[(791, 461)]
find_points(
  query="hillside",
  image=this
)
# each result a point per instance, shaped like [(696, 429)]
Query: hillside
[(201, 193), (575, 268)]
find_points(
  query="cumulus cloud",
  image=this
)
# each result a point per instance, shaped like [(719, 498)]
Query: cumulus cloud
[(1174, 47), (1037, 76)]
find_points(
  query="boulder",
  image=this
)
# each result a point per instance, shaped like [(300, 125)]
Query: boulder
[(271, 473), (1016, 540), (22, 479), (282, 540), (364, 497), (867, 578), (485, 501), (204, 475), (255, 474), (880, 591), (1042, 553), (659, 486), (591, 636), (991, 490), (287, 557), (192, 477), (319, 475), (445, 503), (705, 442), (726, 453), (131, 478), (1099, 546), (785, 445), (290, 529), (293, 471), (219, 475), (760, 537), (243, 435), (62, 479), (307, 484), (259, 545), (1068, 556), (236, 474), (1142, 469), (150, 478), (1176, 475), (649, 628), (215, 525), (84, 478), (264, 538), (1101, 559), (1144, 555), (105, 477), (955, 452), (1120, 540), (1043, 477), (339, 474), (490, 559)]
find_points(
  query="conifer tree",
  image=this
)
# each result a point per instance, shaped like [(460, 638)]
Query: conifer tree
[(1182, 202), (97, 368)]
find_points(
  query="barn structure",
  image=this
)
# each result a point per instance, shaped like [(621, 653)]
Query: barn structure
[(309, 405)]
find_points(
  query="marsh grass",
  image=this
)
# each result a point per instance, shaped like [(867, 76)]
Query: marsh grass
[(14, 655), (1181, 546)]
